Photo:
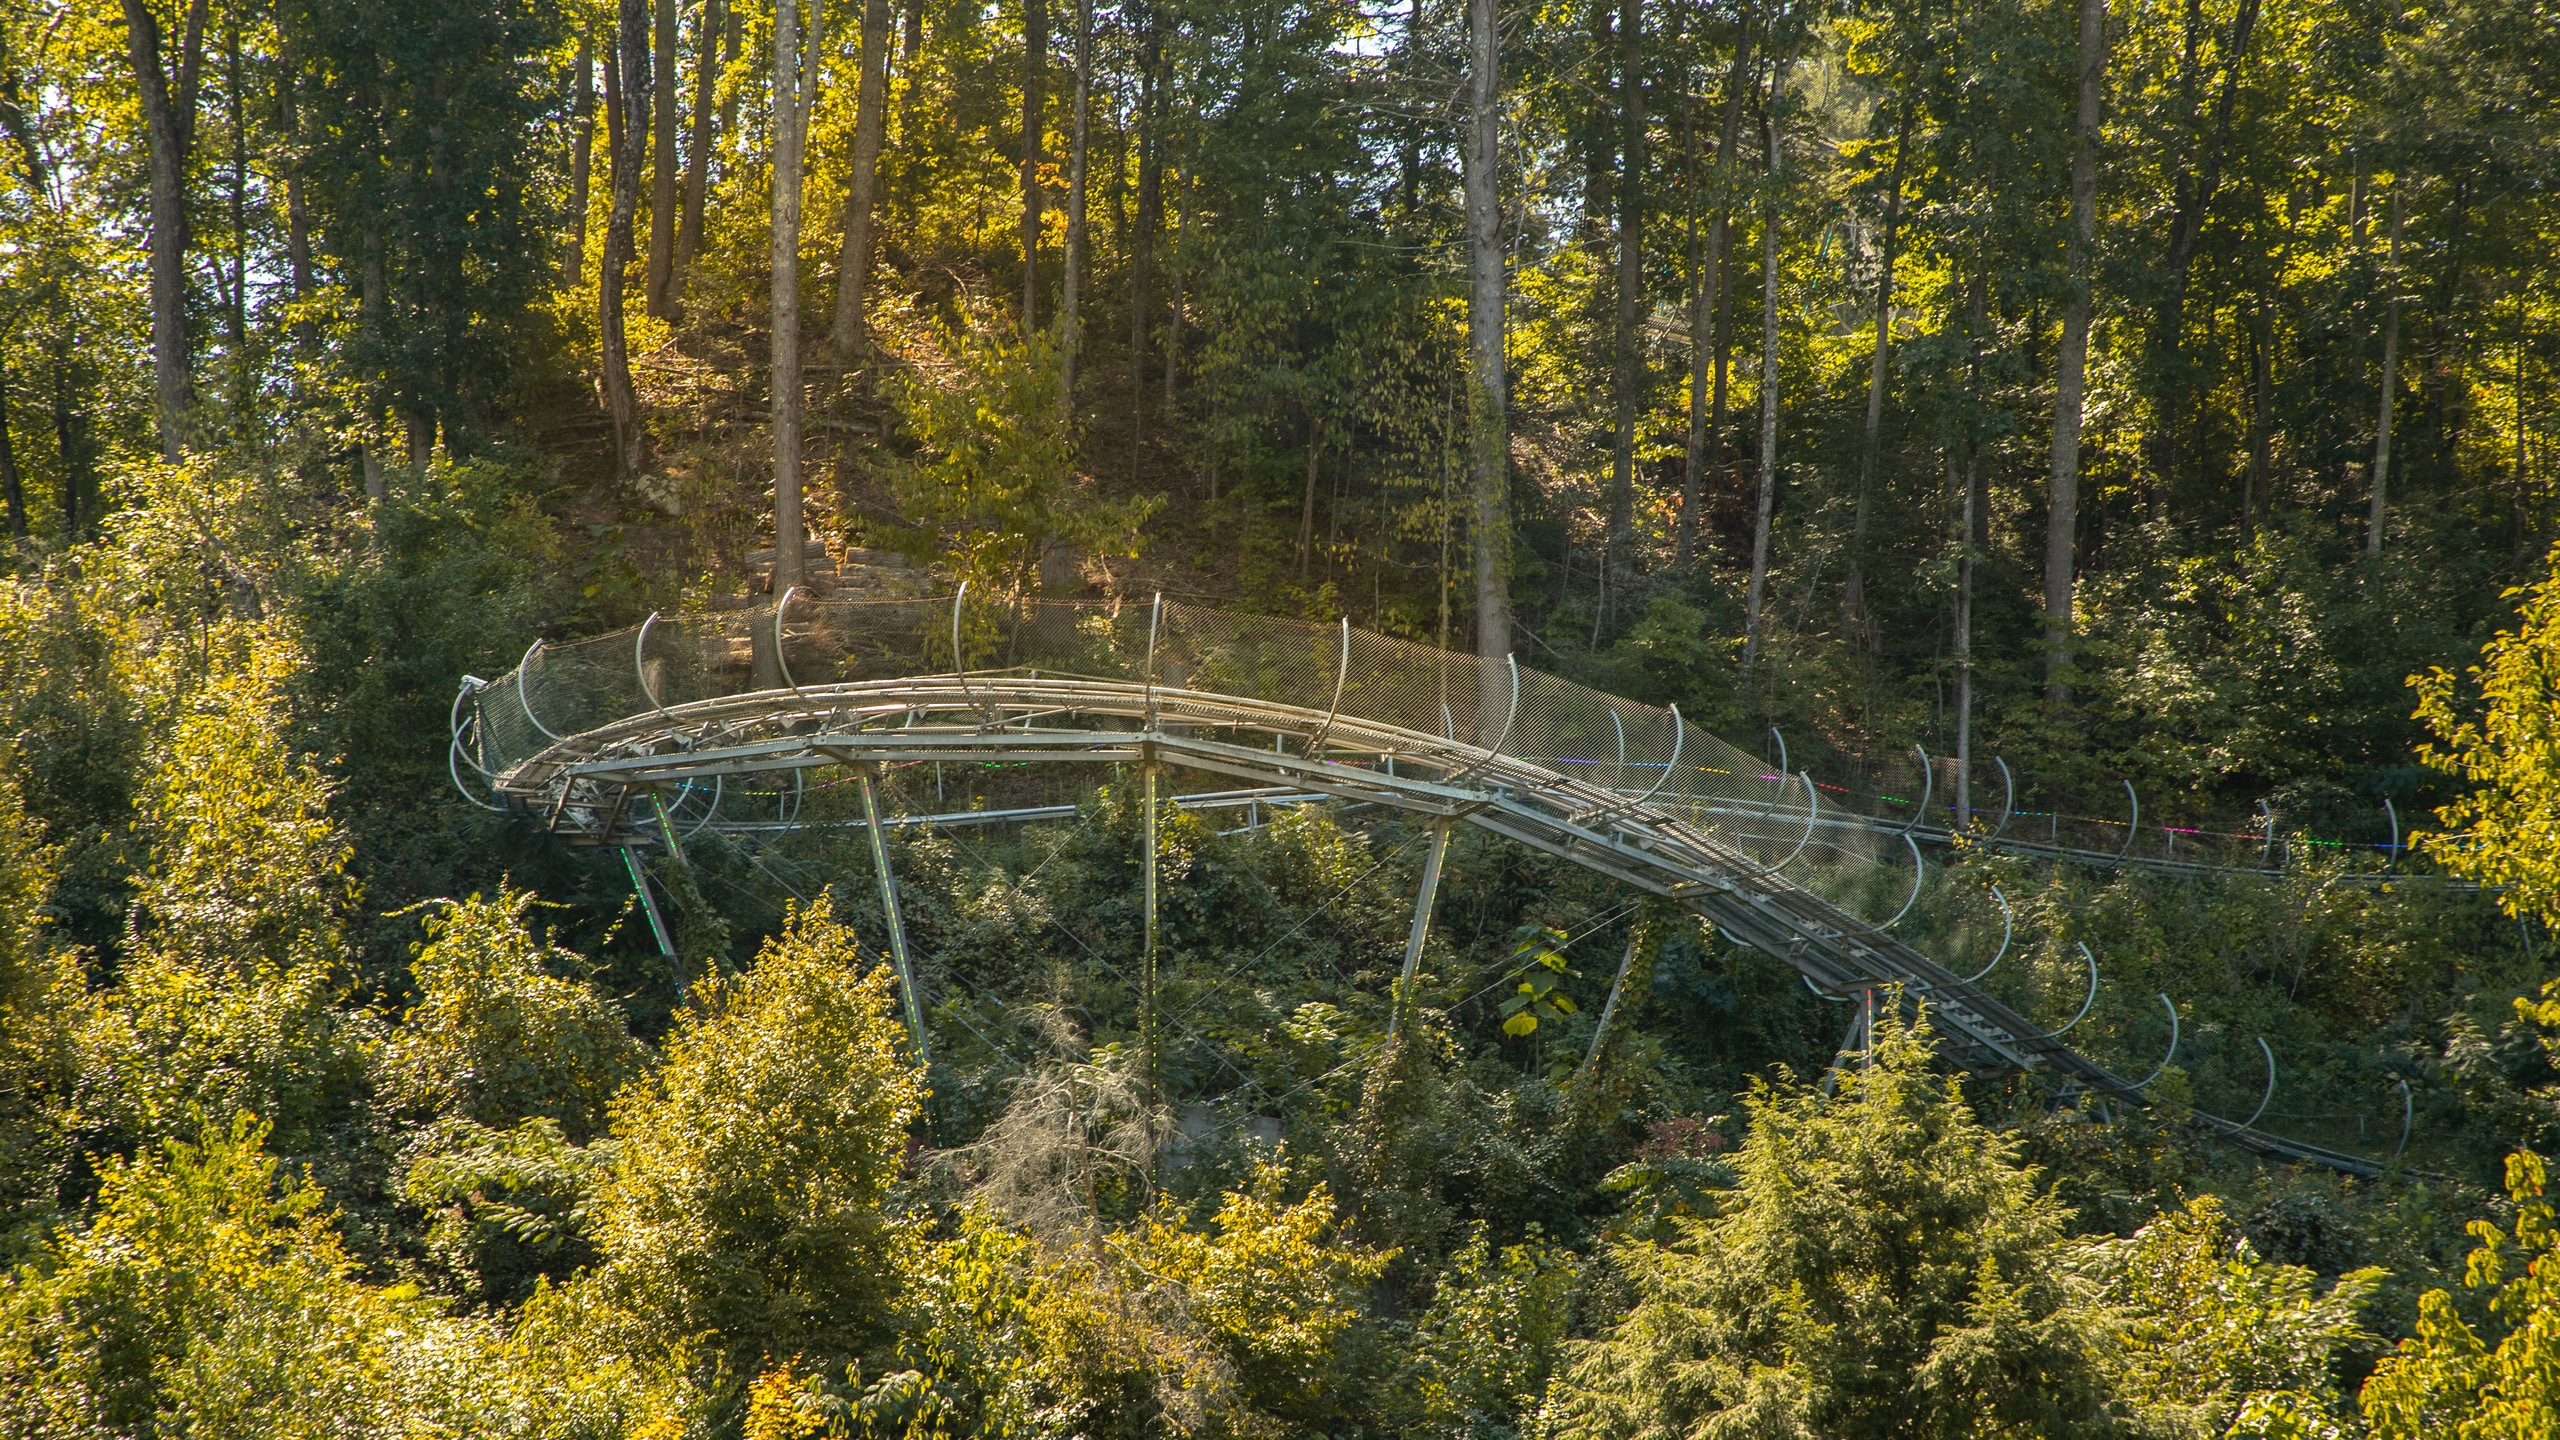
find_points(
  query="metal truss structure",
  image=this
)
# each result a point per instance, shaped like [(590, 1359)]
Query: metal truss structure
[(639, 737)]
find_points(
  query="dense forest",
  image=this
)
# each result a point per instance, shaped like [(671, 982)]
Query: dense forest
[(2155, 395)]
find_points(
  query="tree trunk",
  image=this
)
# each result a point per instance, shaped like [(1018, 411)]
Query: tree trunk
[(1756, 593), (706, 136), (2194, 196), (1620, 536), (582, 145), (1173, 322), (2390, 383), (870, 127), (2071, 367), (70, 435), (795, 74), (626, 81), (1871, 453), (1035, 57), (1142, 245), (1488, 433), (1070, 301), (13, 488), (1307, 506), (2261, 377), (662, 166), (1707, 287), (169, 120)]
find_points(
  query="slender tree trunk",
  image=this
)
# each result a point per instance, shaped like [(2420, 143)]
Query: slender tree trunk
[(70, 435), (1173, 322), (705, 138), (2390, 383), (2261, 377), (13, 488), (1070, 301), (795, 75), (373, 303), (1620, 535), (297, 211), (662, 165), (169, 121), (1142, 245), (236, 313), (1871, 452), (1488, 430), (1035, 67), (582, 145), (1756, 593), (1705, 305), (627, 134), (1307, 506), (870, 127), (2071, 366)]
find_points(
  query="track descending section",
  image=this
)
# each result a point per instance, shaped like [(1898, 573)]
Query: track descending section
[(601, 740)]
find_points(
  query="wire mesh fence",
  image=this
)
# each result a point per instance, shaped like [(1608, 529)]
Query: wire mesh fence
[(1825, 808)]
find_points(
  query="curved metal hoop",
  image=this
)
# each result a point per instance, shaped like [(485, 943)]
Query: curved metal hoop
[(719, 792), (2008, 926), (1155, 621), (1618, 778), (2407, 1112), (1507, 721), (1812, 813), (1342, 673), (2163, 1067), (2008, 796), (960, 667), (2092, 997), (1834, 999), (2132, 826), (640, 665), (781, 658), (526, 701), (2395, 831), (1919, 871), (471, 686), (452, 754), (1928, 787), (1783, 772), (2263, 1049), (2267, 852)]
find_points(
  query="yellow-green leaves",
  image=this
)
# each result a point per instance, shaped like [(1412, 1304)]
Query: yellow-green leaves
[(1539, 952), (2506, 831), (2449, 1382)]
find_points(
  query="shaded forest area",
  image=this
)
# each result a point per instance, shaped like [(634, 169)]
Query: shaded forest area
[(2152, 393)]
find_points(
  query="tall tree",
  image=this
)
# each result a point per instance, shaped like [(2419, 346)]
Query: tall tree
[(1035, 73), (582, 145), (13, 488), (1070, 300), (2390, 381), (1707, 287), (1627, 362), (795, 84), (169, 123), (1488, 429), (627, 136), (870, 125), (1770, 124), (2071, 364), (1871, 450), (1150, 206), (707, 67), (662, 166)]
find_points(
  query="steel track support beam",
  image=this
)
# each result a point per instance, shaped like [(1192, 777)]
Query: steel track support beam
[(896, 922), (657, 922), (1147, 984), (1420, 930)]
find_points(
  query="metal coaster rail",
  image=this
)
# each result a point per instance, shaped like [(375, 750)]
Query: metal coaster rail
[(602, 784)]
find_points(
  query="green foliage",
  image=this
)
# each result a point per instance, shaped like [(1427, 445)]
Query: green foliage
[(2505, 830), (496, 1036), (740, 1214), (508, 1206), (1537, 1000), (996, 482), (1882, 1267), (2211, 1333), (207, 1299), (1479, 1358), (2448, 1379)]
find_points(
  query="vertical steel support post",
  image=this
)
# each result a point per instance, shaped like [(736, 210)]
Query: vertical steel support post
[(1147, 985), (1421, 931), (897, 924), (657, 922)]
